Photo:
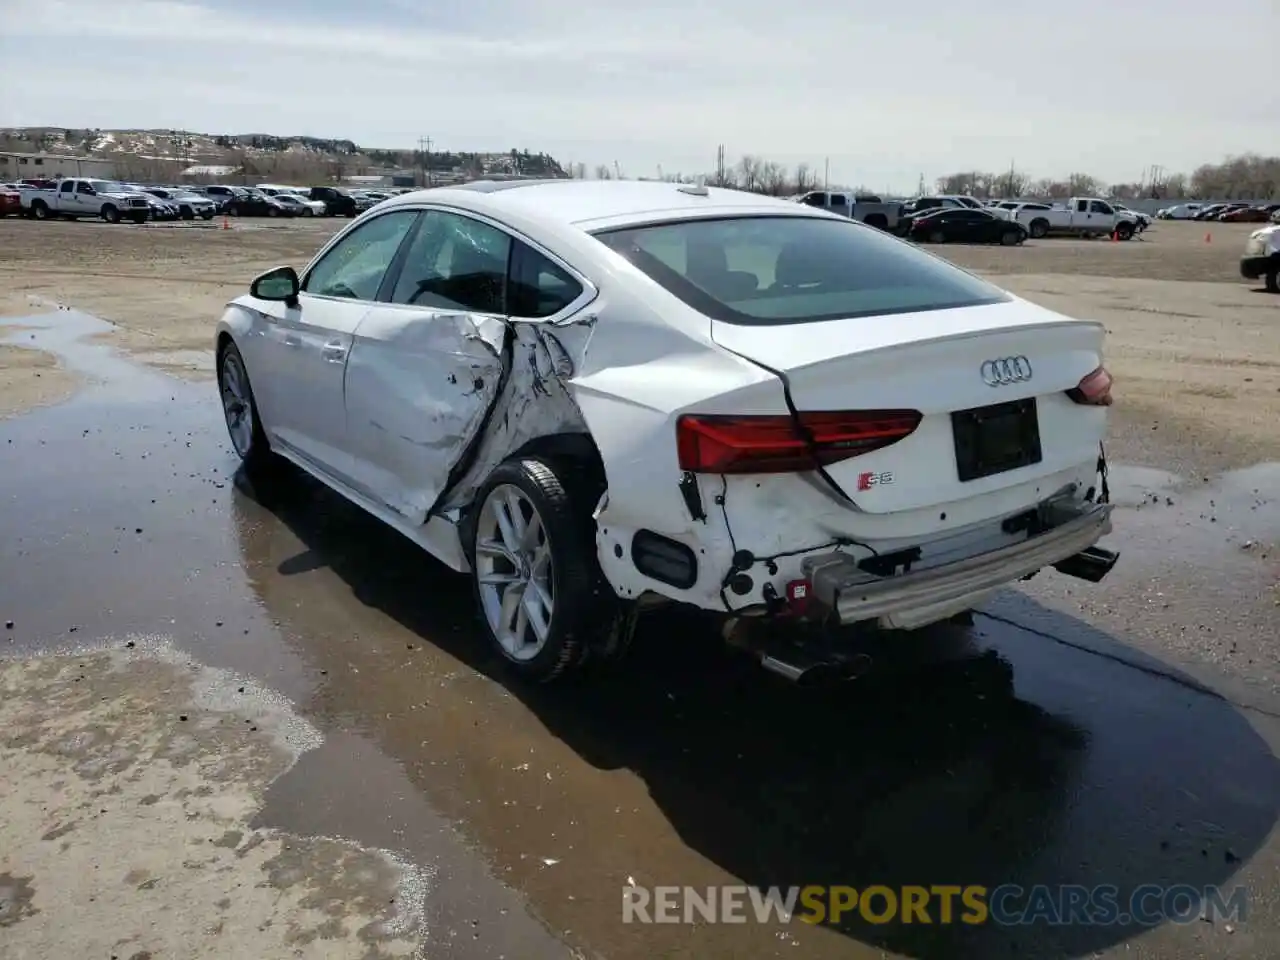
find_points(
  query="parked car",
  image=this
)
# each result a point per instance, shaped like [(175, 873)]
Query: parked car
[(1275, 217), (1140, 220), (190, 205), (1078, 216), (1209, 211), (299, 206), (870, 210), (1261, 258), (599, 397), (1250, 214), (222, 194), (10, 200), (251, 202), (1179, 211), (966, 225), (74, 198), (337, 203)]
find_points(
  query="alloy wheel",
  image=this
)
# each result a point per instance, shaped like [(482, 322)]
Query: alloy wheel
[(514, 572)]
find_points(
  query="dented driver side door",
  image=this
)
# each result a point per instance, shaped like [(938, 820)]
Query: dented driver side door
[(426, 363)]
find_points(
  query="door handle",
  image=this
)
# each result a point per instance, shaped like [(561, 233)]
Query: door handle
[(334, 350)]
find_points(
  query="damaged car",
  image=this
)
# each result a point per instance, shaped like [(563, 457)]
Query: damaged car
[(596, 398)]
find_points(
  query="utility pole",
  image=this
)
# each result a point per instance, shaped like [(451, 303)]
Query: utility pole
[(826, 173), (424, 148)]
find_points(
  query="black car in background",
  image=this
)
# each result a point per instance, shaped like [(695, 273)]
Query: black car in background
[(966, 225), (337, 203)]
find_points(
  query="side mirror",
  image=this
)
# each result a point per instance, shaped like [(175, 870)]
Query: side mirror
[(278, 283)]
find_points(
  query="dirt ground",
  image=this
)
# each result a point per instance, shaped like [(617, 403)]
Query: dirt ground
[(132, 779), (1195, 350)]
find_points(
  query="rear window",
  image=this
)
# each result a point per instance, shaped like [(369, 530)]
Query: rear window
[(776, 270)]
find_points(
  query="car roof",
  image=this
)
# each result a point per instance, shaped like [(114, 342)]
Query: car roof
[(597, 203)]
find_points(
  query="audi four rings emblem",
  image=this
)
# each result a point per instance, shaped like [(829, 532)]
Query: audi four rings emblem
[(1006, 370)]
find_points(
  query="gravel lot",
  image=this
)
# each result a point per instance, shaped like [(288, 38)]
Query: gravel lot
[(267, 728)]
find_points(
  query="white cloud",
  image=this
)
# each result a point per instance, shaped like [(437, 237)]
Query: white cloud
[(921, 88)]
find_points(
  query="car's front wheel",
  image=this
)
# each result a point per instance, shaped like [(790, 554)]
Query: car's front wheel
[(239, 409), (534, 572)]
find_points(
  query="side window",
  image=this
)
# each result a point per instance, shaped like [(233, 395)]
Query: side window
[(455, 263), (82, 187), (354, 267), (1099, 207), (538, 288), (839, 200), (814, 200), (1082, 206)]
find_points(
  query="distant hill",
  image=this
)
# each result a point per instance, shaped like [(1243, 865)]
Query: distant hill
[(148, 153)]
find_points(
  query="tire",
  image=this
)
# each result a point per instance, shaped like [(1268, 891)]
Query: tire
[(188, 213), (138, 219), (248, 440), (39, 210), (1124, 231), (207, 215), (1039, 228), (1010, 238), (110, 213), (1271, 279), (877, 220), (556, 569), (272, 212), (937, 236)]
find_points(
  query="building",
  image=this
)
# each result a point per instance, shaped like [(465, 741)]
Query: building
[(30, 166)]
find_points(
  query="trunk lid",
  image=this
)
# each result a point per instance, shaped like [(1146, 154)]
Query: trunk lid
[(933, 362)]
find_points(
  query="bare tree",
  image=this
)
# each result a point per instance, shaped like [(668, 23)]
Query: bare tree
[(806, 178), (772, 179), (603, 172), (749, 172)]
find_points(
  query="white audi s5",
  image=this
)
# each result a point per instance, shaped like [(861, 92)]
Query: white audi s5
[(596, 397)]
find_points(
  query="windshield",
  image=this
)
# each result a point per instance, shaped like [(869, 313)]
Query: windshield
[(784, 269), (112, 186)]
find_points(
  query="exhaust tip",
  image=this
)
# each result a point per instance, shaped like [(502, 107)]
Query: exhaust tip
[(825, 673)]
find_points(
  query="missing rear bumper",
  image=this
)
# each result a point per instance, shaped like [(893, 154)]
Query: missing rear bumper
[(912, 600)]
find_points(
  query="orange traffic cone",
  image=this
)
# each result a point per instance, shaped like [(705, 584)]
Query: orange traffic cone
[(1115, 236), (1208, 238), (226, 224)]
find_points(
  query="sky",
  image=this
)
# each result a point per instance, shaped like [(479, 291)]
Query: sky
[(882, 92)]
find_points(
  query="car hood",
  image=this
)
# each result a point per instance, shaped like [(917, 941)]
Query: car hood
[(129, 195)]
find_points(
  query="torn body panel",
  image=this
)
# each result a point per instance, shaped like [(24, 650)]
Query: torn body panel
[(533, 402), (419, 385)]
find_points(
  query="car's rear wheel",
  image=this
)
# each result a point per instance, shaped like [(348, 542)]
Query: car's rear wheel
[(1039, 229), (1272, 277), (1011, 238), (532, 550), (937, 236), (239, 409)]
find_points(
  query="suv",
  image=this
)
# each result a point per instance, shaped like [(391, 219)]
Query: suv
[(337, 203)]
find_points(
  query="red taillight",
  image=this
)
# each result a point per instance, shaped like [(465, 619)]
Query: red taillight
[(772, 444), (1094, 390)]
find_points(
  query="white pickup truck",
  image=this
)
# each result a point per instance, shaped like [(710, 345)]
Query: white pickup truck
[(78, 197), (1079, 217), (870, 210)]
